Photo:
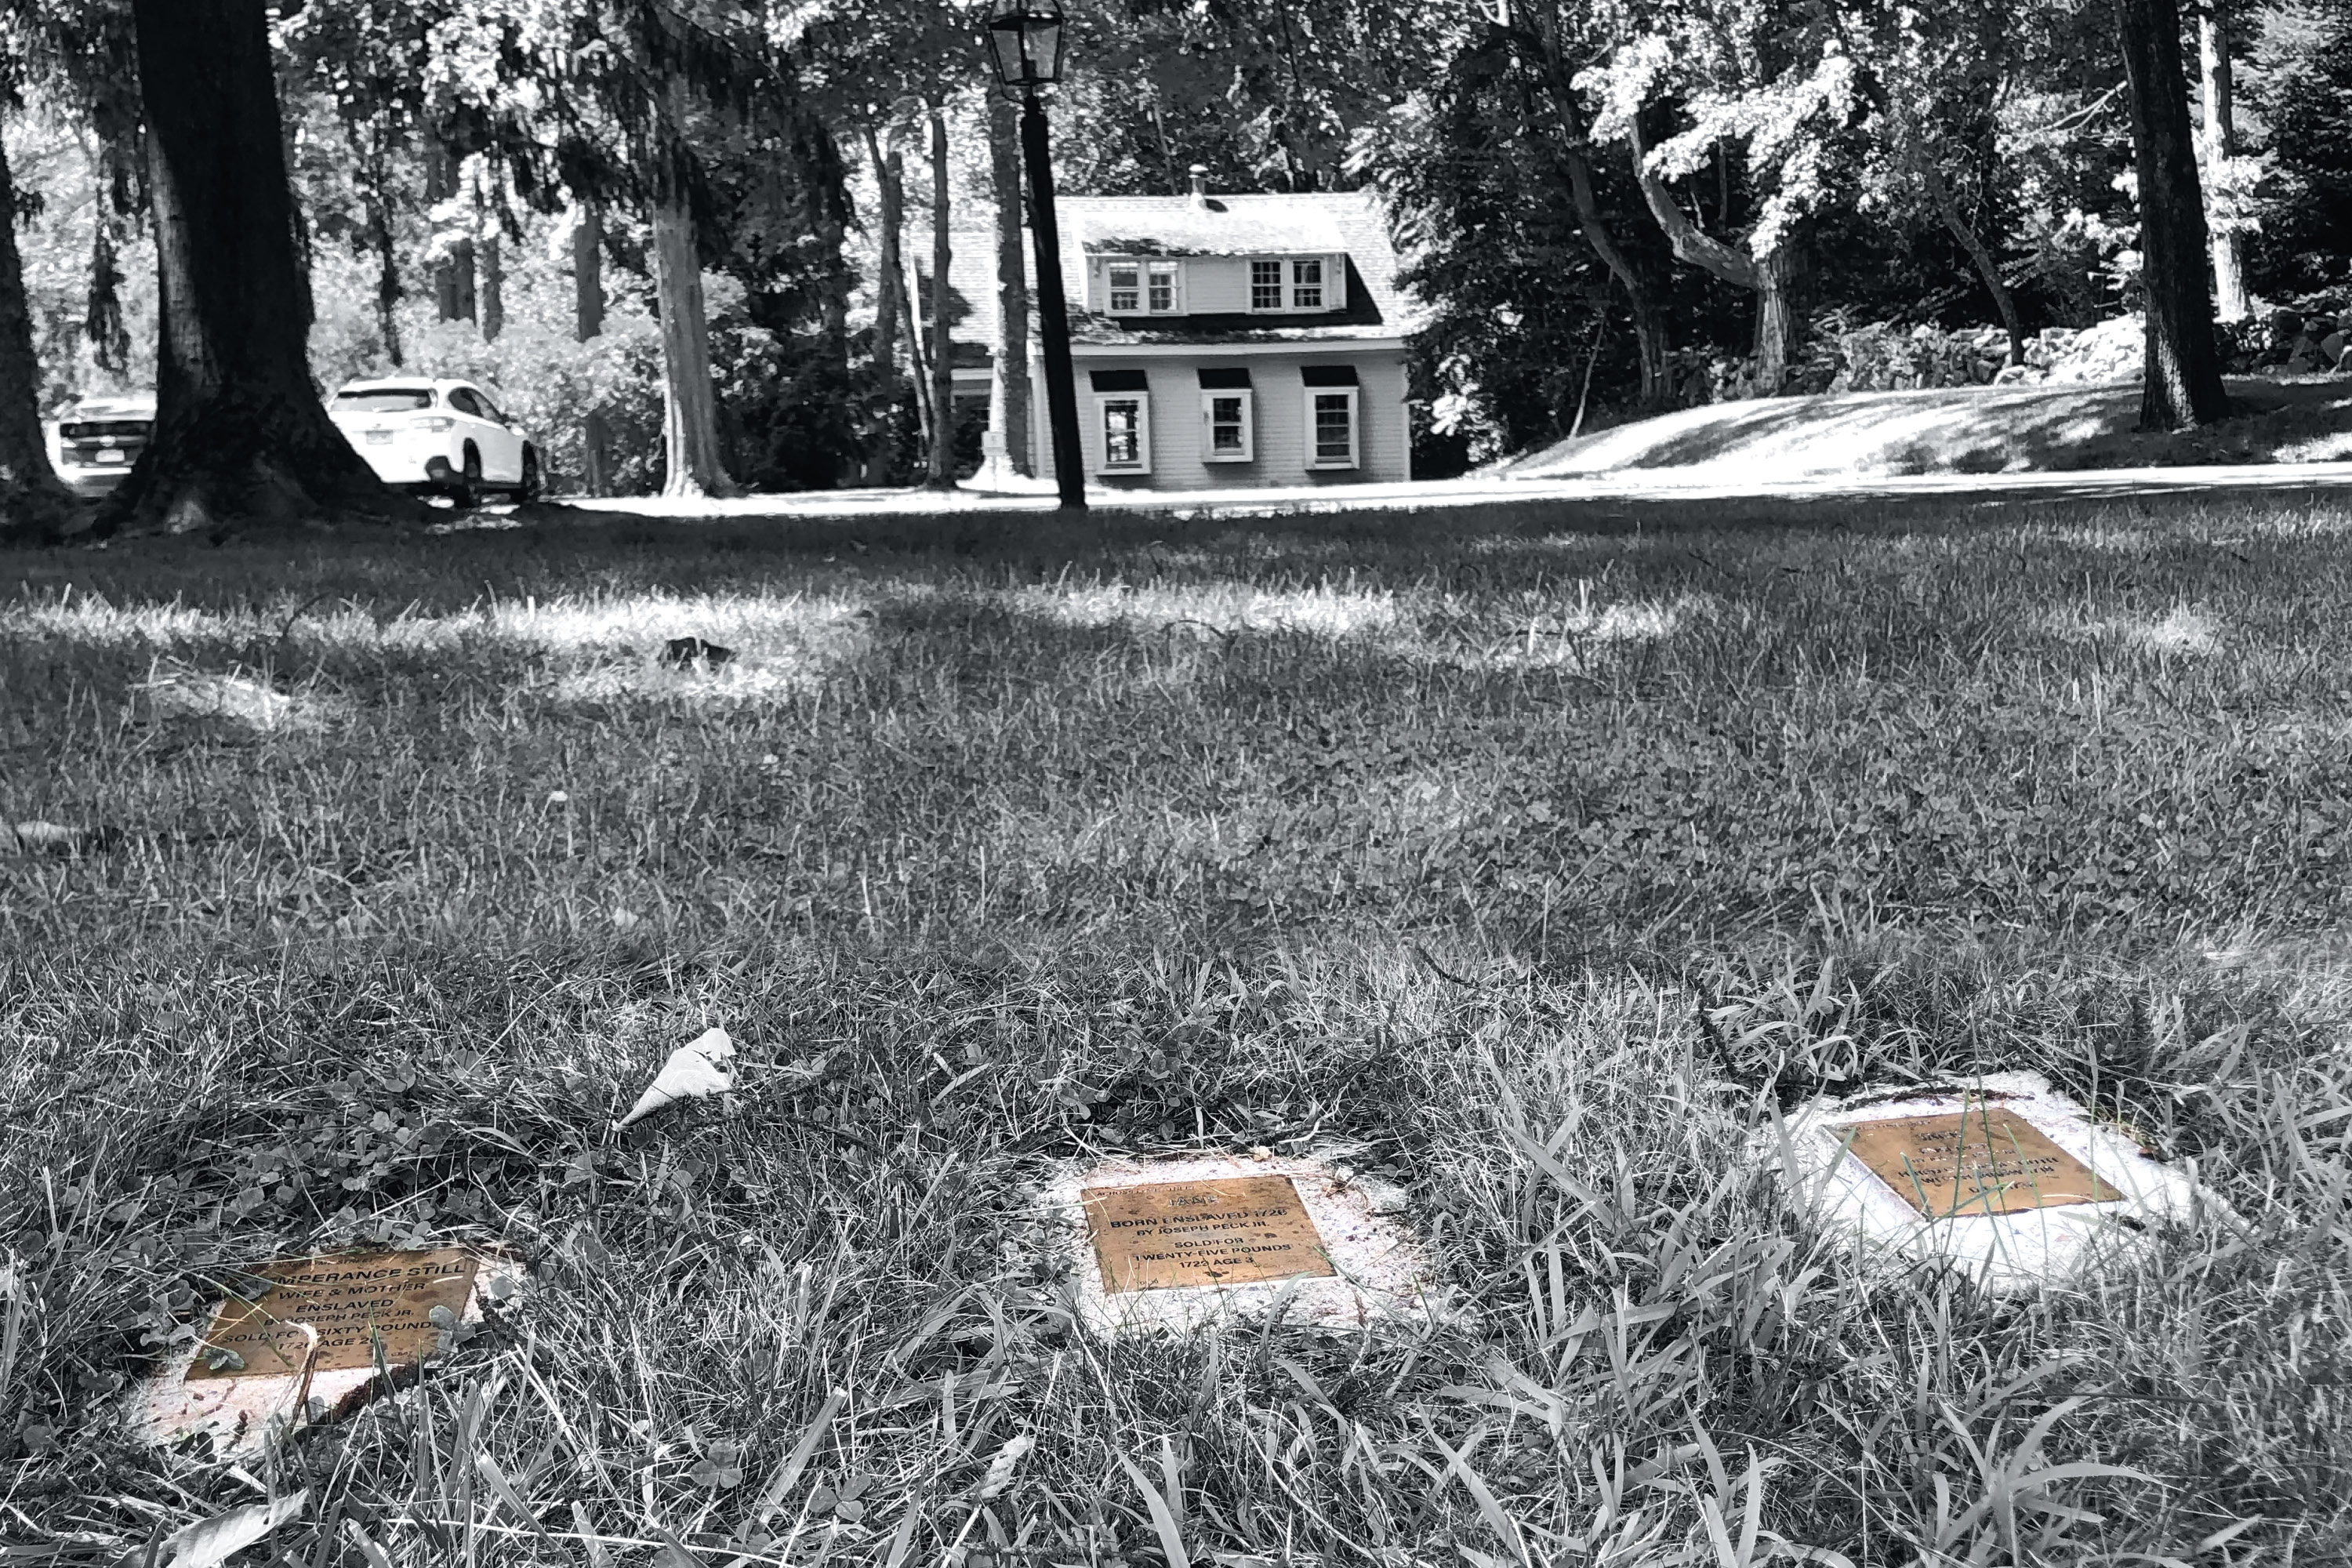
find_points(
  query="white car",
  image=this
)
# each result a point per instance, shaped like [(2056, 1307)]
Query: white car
[(441, 435), (94, 445)]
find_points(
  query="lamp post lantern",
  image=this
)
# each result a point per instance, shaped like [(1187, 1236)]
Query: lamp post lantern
[(1024, 44)]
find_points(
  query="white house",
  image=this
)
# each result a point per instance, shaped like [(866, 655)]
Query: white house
[(1224, 341)]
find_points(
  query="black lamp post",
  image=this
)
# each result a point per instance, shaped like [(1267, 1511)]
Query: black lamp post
[(1024, 40)]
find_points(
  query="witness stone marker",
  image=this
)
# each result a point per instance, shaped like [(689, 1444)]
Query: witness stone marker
[(1192, 1241), (345, 1302), (1235, 1231), (296, 1340), (1999, 1177), (1981, 1160)]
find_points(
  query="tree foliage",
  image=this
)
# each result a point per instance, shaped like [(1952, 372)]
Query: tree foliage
[(1611, 207)]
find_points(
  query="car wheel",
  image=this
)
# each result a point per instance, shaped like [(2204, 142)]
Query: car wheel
[(534, 483), (466, 491)]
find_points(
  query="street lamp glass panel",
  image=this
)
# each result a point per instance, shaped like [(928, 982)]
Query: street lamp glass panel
[(1025, 41)]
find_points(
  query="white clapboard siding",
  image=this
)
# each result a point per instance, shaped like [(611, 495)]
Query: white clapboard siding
[(1180, 436)]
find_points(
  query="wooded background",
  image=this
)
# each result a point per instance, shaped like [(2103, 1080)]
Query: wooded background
[(700, 244)]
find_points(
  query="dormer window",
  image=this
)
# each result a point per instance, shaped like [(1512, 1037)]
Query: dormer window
[(1306, 284), (1126, 286), (1140, 287), (1266, 285), (1287, 286)]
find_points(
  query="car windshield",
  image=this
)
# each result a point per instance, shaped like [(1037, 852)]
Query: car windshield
[(386, 400)]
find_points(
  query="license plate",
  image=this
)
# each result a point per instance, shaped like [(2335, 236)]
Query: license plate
[(379, 437), (113, 456)]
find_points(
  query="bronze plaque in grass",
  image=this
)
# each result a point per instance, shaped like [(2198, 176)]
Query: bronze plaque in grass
[(348, 1299), (1235, 1230), (1981, 1160)]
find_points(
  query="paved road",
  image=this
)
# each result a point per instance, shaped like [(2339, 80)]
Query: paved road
[(1645, 487)]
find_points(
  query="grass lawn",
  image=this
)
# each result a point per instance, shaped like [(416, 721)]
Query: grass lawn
[(1533, 864), (1956, 430)]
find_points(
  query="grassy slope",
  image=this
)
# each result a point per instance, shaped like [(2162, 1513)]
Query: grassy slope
[(1603, 839), (1967, 430)]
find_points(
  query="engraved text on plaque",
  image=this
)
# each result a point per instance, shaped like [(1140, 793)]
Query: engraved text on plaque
[(1235, 1230)]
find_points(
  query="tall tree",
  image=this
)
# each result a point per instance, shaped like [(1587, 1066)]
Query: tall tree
[(240, 432), (889, 185), (2182, 385), (32, 499), (1935, 81), (2215, 78), (450, 204), (1008, 384), (588, 321), (492, 269), (1651, 334), (1769, 84), (621, 87), (2301, 86), (692, 464), (939, 471)]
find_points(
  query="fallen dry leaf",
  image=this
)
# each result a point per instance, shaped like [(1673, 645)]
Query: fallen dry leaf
[(692, 1072), (211, 1542), (33, 835)]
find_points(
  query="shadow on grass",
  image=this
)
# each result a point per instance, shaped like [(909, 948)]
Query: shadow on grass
[(607, 554)]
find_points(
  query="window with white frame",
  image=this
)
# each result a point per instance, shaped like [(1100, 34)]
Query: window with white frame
[(1127, 434), (1266, 285), (1333, 430), (1306, 284), (1126, 286), (1123, 419), (1138, 286), (1228, 417)]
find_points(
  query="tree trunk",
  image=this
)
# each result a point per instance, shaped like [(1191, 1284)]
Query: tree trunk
[(886, 311), (101, 321), (588, 271), (453, 249), (832, 307), (2215, 78), (1691, 244), (387, 279), (902, 291), (489, 202), (915, 358), (587, 322), (494, 289), (239, 430), (2183, 380), (1008, 381), (366, 142), (692, 465), (1980, 256), (1775, 318), (33, 503), (943, 475), (1649, 329), (1767, 279)]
